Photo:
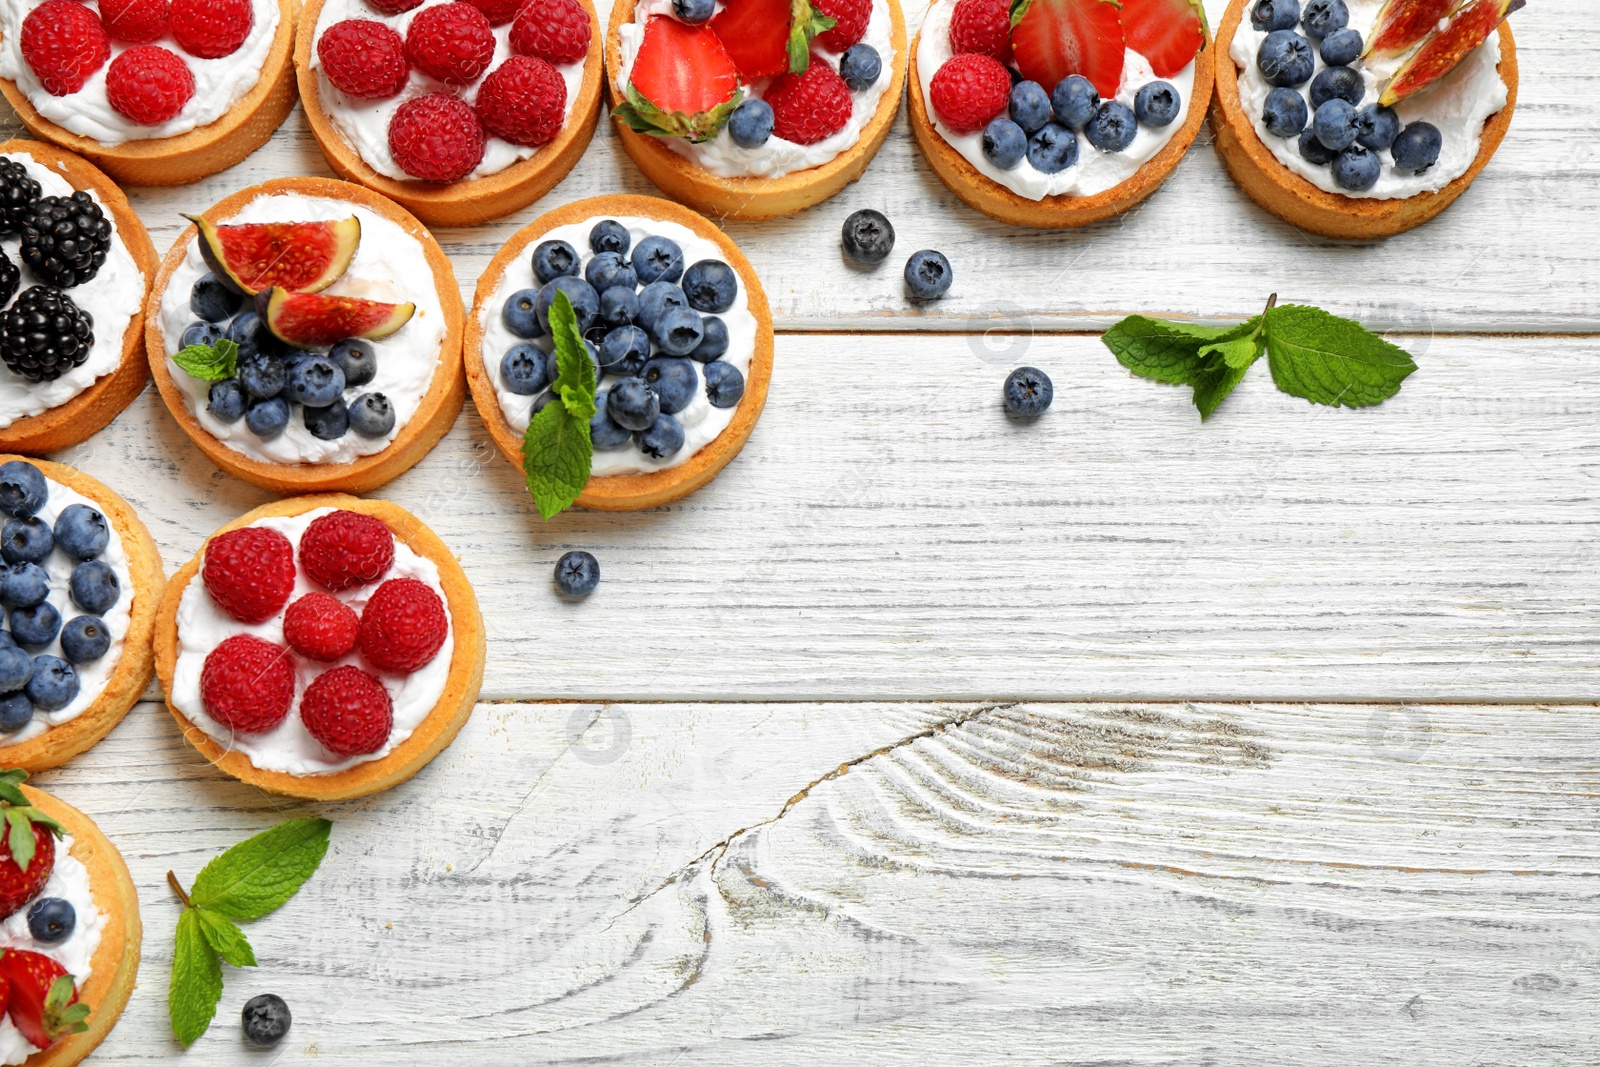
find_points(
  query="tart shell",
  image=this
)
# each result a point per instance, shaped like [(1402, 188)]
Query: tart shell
[(475, 200), (132, 674), (93, 409), (435, 414), (753, 198), (430, 737), (201, 152), (628, 492), (1295, 200)]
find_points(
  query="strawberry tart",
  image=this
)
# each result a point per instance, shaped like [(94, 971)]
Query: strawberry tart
[(155, 92), (1059, 113), (324, 647), (754, 109), (461, 110), (306, 334), (1359, 119)]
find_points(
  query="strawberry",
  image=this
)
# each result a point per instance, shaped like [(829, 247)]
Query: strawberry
[(1054, 38), (44, 999), (1169, 33), (769, 37), (811, 106), (683, 83), (28, 847)]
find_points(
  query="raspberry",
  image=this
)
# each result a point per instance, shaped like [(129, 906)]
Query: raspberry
[(524, 101), (809, 107), (403, 626), (63, 43), (211, 29), (349, 711), (135, 21), (321, 628), (249, 572), (968, 91), (451, 42), (364, 59), (247, 684), (148, 85), (982, 27), (436, 137), (344, 549), (393, 7), (498, 12), (556, 31), (851, 17)]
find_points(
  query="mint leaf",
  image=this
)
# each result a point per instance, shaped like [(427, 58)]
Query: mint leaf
[(1240, 353), (196, 981), (1213, 382), (1163, 351), (1329, 360), (209, 363), (575, 381), (227, 939), (259, 875), (556, 456)]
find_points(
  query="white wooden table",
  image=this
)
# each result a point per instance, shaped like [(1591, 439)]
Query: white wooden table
[(923, 738)]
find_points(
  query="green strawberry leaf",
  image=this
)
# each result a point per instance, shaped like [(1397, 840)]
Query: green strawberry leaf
[(196, 981), (1329, 360), (259, 875), (641, 116), (805, 23), (209, 363), (228, 940), (61, 1016), (11, 788)]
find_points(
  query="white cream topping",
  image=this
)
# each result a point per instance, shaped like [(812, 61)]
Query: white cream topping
[(289, 747), (391, 266), (218, 83), (112, 298), (1459, 104), (1095, 171), (722, 157), (702, 423), (364, 124)]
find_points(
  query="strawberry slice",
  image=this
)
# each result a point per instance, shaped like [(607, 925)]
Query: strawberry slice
[(44, 1003), (1054, 38), (1169, 33), (767, 38), (683, 83)]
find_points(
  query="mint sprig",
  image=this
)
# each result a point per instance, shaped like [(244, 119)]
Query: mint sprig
[(210, 363), (557, 453)]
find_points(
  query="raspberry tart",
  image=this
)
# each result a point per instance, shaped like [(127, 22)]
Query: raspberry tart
[(754, 109), (1359, 119), (323, 647), (461, 111), (306, 334), (675, 320), (154, 92), (90, 366)]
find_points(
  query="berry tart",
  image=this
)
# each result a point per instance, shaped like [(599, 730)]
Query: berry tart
[(69, 930), (753, 109), (324, 647), (80, 584), (155, 92), (306, 333), (675, 323), (461, 111), (76, 261), (1059, 113), (1359, 119)]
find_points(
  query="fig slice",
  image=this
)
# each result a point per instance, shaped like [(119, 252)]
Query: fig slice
[(317, 320), (1402, 24), (1443, 50), (304, 257)]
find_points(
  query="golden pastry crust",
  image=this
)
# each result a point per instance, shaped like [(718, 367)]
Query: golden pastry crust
[(201, 152), (628, 492), (93, 409), (977, 190), (753, 198), (435, 414), (476, 200), (429, 738), (1292, 198), (132, 674), (115, 965)]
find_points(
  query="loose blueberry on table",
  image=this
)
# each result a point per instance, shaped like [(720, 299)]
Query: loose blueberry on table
[(577, 574), (928, 275), (265, 1019), (1028, 392)]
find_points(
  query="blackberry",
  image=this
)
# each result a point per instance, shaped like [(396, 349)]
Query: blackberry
[(44, 334), (10, 278), (17, 194), (65, 239)]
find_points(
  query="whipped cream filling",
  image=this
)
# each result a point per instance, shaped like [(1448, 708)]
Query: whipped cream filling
[(289, 747), (1096, 171), (219, 84), (92, 677), (1459, 104), (112, 298), (701, 422), (720, 156), (364, 124), (391, 266)]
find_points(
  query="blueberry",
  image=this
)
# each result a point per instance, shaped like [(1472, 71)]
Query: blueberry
[(82, 532), (518, 314), (1074, 101), (609, 235), (1285, 59), (657, 259), (540, 402), (714, 345), (1285, 112), (751, 123), (200, 333), (27, 540), (23, 490), (1113, 127), (928, 275), (212, 299), (16, 711), (1004, 143), (619, 305), (94, 587), (371, 415), (868, 237), (1028, 392), (16, 667), (632, 404), (1357, 169), (663, 439), (357, 359), (6, 640), (1337, 83), (585, 301), (624, 351), (1030, 106), (609, 269), (227, 400), (265, 1019), (693, 12), (524, 369), (1335, 124), (315, 382), (1415, 150), (251, 334), (1053, 149), (674, 381), (267, 418), (22, 585), (1342, 47), (262, 374), (1157, 104), (327, 423), (37, 626), (577, 573), (604, 433), (678, 331), (554, 259), (1313, 150), (1323, 17), (860, 66), (655, 299), (85, 639), (51, 920), (1377, 127), (724, 384), (710, 285), (1275, 14)]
